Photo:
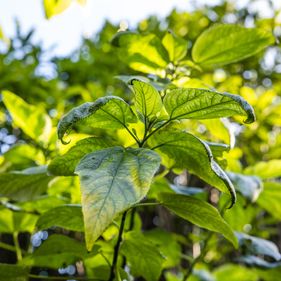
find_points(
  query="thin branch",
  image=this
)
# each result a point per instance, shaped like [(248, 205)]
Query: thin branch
[(17, 246), (117, 247)]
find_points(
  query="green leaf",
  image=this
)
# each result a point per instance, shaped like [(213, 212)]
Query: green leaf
[(197, 212), (57, 251), (265, 170), (225, 43), (270, 198), (148, 101), (143, 53), (23, 186), (64, 165), (108, 112), (12, 272), (67, 216), (233, 272), (176, 46), (113, 180), (29, 118), (11, 222), (200, 104), (258, 246), (218, 148), (249, 186), (190, 153), (143, 257)]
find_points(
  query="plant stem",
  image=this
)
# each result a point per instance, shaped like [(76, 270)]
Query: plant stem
[(63, 278), (147, 204), (199, 258), (117, 247), (7, 247), (17, 246)]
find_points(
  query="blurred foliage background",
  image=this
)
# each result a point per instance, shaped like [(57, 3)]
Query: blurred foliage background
[(89, 73)]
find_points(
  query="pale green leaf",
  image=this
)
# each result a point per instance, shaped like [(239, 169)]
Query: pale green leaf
[(11, 222), (143, 53), (190, 153), (12, 272), (29, 118), (225, 43), (107, 112), (64, 165), (148, 101), (249, 186), (143, 257), (200, 104), (265, 170), (23, 186), (197, 212), (113, 180), (67, 216), (57, 251), (176, 46), (270, 198)]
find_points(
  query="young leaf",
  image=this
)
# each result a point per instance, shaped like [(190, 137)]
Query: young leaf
[(143, 53), (197, 212), (143, 257), (176, 46), (29, 118), (64, 165), (191, 153), (22, 186), (248, 186), (67, 216), (225, 43), (113, 180), (205, 104), (108, 112), (12, 272), (148, 102)]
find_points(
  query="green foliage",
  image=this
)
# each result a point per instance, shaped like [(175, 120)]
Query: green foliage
[(141, 186)]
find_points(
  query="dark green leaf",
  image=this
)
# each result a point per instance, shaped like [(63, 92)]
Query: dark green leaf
[(108, 112), (205, 104), (65, 165), (113, 180), (197, 212), (12, 272), (191, 153), (225, 43), (249, 186), (143, 257), (68, 216)]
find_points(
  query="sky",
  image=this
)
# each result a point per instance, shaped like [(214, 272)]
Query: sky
[(64, 32)]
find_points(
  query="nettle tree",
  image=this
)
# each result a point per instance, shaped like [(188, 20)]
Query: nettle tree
[(134, 157)]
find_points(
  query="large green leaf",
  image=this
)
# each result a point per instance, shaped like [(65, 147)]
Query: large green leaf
[(265, 170), (205, 104), (270, 198), (113, 180), (176, 46), (249, 186), (191, 153), (11, 222), (57, 251), (23, 186), (143, 53), (64, 165), (108, 112), (142, 255), (225, 43), (67, 216), (148, 101), (31, 119), (197, 212), (12, 272)]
